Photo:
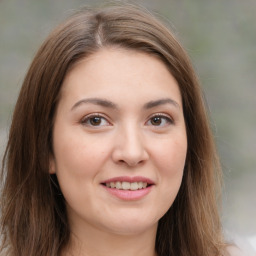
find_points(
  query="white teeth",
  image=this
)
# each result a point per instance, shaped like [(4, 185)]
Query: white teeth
[(125, 185), (134, 186), (118, 185)]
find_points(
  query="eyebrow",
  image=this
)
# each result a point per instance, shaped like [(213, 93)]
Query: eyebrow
[(96, 101), (110, 104), (155, 103)]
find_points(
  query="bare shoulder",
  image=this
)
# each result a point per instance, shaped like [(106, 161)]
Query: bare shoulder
[(235, 251)]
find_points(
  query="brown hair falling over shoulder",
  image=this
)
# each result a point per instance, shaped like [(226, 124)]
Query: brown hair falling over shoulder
[(34, 219)]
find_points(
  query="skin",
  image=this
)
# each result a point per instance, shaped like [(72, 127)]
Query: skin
[(124, 139)]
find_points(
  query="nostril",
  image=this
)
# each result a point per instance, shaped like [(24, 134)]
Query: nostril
[(121, 162), (131, 163)]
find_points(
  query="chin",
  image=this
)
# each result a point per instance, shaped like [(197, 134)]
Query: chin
[(130, 226)]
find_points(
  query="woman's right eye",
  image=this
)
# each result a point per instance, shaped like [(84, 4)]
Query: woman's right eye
[(95, 121)]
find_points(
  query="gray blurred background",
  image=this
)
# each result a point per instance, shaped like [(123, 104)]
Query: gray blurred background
[(220, 37)]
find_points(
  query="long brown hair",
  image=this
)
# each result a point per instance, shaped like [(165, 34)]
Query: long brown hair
[(34, 219)]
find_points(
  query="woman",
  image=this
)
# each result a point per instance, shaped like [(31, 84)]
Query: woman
[(110, 150)]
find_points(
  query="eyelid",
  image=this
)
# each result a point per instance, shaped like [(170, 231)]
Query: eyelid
[(88, 116), (168, 117)]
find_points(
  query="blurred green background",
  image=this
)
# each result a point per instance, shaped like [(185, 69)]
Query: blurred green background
[(220, 37)]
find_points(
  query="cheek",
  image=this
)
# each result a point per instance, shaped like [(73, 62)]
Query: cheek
[(170, 160), (78, 160), (171, 156), (78, 154)]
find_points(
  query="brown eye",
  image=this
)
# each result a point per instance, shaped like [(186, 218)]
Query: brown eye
[(160, 120), (95, 121), (156, 120)]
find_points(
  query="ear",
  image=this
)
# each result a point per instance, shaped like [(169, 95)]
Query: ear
[(52, 165)]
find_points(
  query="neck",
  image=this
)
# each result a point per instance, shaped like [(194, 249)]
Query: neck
[(91, 242)]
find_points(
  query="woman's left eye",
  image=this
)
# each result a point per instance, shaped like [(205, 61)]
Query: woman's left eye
[(159, 121), (95, 121)]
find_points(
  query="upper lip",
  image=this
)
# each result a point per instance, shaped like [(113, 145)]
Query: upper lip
[(130, 179)]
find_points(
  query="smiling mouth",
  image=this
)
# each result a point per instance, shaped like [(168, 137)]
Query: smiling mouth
[(124, 185)]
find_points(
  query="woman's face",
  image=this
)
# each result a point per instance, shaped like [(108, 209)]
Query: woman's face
[(119, 142)]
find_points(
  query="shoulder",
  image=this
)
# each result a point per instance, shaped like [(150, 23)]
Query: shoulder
[(240, 245), (233, 250)]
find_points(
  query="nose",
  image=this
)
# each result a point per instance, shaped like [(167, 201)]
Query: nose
[(129, 147)]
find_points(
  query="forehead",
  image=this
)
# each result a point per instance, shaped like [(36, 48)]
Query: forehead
[(120, 72)]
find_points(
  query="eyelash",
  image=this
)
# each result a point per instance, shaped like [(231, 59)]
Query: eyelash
[(87, 120), (162, 116)]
